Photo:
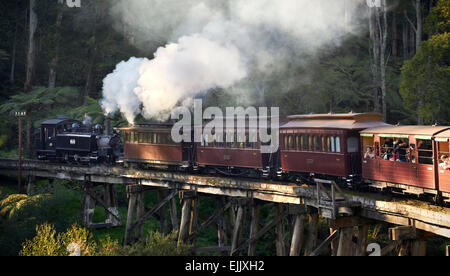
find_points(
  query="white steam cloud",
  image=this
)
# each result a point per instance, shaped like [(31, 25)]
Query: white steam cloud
[(216, 43)]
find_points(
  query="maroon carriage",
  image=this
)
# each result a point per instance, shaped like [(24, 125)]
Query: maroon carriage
[(443, 152), (215, 154), (152, 144), (405, 158), (325, 144)]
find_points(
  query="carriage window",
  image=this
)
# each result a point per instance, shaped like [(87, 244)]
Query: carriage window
[(291, 142), (140, 138), (328, 144), (338, 144), (324, 144), (304, 142), (297, 142), (367, 144), (352, 144), (333, 148), (310, 142), (444, 153), (425, 151), (316, 143)]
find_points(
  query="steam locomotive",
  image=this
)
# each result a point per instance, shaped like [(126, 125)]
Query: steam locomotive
[(72, 141), (353, 149)]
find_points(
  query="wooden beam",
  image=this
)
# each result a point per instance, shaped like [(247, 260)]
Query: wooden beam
[(346, 245), (260, 233), (131, 206), (312, 231), (221, 224), (298, 235), (102, 203), (155, 209), (110, 200), (239, 224), (447, 251), (88, 205), (419, 247), (325, 243), (140, 212), (174, 214), (254, 226), (361, 245), (185, 219), (280, 242), (193, 223), (210, 220), (334, 243)]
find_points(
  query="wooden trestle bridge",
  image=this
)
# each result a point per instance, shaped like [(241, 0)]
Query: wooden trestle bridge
[(349, 214)]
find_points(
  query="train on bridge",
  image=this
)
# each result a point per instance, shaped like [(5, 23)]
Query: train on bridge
[(357, 150)]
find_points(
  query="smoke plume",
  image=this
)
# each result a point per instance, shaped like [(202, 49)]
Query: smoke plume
[(216, 44)]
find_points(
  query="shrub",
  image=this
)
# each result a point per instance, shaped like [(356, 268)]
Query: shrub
[(157, 244)]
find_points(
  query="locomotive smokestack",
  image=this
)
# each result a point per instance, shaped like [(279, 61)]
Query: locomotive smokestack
[(108, 125)]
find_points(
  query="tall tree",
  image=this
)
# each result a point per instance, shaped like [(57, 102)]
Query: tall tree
[(93, 51), (418, 31), (57, 35), (31, 55), (375, 53), (378, 34)]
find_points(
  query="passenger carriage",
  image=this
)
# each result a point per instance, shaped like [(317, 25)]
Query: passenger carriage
[(406, 158), (239, 157), (326, 145), (152, 144)]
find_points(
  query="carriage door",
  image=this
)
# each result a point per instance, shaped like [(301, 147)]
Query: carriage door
[(355, 156)]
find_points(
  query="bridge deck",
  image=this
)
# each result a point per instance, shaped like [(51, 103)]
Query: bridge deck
[(435, 220)]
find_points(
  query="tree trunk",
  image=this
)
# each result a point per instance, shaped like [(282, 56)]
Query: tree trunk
[(419, 29), (405, 43), (31, 55), (13, 56), (394, 35), (92, 57), (54, 61), (383, 35), (374, 42)]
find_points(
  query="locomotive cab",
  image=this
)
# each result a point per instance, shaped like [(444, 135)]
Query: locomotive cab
[(48, 132)]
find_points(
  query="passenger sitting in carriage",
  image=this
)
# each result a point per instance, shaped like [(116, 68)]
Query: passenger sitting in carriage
[(369, 153), (445, 162)]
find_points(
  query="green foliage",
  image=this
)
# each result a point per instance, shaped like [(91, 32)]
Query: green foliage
[(157, 244), (19, 215), (438, 21), (41, 100), (79, 240), (45, 243), (426, 79), (76, 240)]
